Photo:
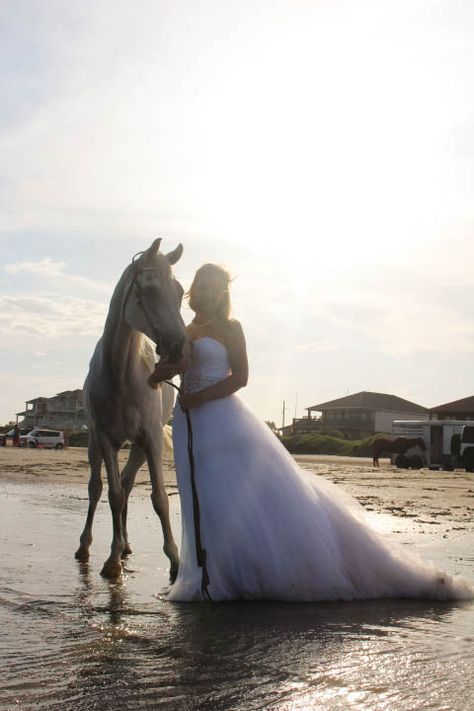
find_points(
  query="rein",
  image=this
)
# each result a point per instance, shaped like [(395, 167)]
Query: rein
[(140, 302), (201, 554)]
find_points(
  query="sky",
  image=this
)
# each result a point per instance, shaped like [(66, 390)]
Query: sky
[(323, 151)]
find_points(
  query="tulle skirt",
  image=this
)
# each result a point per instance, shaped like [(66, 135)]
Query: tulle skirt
[(273, 531)]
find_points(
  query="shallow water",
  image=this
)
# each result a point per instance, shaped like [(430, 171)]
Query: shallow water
[(71, 640)]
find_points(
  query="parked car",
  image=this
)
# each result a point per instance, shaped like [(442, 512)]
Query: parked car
[(50, 439), (7, 437)]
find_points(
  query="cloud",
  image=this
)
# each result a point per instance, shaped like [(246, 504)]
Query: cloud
[(403, 311), (44, 268), (50, 270), (50, 317)]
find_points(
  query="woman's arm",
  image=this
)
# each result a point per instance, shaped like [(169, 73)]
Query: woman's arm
[(237, 351), (165, 371)]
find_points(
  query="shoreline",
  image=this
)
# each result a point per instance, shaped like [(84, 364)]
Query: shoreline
[(433, 498)]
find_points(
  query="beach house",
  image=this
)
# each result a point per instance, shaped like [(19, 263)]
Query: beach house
[(357, 415), (62, 411)]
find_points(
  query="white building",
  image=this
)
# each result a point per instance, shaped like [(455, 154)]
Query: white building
[(63, 411)]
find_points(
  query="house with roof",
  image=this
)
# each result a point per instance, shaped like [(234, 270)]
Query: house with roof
[(457, 410), (62, 411), (357, 415)]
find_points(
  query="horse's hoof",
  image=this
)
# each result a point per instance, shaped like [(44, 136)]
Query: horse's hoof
[(127, 551), (82, 554), (111, 569)]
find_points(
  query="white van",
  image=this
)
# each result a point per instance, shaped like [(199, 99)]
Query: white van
[(50, 439)]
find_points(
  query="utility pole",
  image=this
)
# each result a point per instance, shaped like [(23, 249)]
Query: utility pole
[(283, 415)]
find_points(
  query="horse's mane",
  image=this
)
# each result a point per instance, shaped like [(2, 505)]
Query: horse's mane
[(146, 351)]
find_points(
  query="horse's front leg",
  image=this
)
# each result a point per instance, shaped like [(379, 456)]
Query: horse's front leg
[(159, 497), (136, 458), (113, 567), (95, 492)]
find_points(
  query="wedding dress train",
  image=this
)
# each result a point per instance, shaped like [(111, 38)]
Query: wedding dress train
[(273, 531)]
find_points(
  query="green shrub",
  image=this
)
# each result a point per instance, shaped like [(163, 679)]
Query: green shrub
[(79, 439), (328, 444)]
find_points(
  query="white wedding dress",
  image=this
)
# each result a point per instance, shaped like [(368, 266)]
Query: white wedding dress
[(271, 530)]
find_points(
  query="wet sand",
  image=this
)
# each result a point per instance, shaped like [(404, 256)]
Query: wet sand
[(74, 641), (67, 466), (424, 496)]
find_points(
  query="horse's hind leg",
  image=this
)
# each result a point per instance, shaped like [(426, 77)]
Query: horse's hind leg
[(136, 458), (95, 491)]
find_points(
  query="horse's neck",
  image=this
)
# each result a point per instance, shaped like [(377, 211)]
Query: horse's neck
[(121, 344)]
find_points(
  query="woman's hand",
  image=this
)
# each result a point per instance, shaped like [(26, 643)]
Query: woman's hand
[(164, 371), (189, 400)]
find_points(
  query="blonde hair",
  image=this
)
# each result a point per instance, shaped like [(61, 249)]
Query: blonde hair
[(224, 310)]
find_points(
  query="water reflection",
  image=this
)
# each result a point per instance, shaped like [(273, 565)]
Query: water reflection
[(101, 659), (72, 640), (249, 655)]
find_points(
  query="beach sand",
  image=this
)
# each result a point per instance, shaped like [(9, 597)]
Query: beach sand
[(67, 466), (429, 497), (74, 640)]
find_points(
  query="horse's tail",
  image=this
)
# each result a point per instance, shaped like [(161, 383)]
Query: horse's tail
[(167, 442), (167, 402)]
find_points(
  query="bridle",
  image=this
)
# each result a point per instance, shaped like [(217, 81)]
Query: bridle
[(140, 302)]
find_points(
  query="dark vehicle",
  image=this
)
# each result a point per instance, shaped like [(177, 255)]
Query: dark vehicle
[(449, 444), (466, 450), (7, 437)]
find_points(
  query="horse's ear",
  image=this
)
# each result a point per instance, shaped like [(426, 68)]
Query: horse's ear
[(153, 249), (175, 255)]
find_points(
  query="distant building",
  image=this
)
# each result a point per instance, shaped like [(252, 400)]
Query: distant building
[(456, 410), (63, 411), (357, 415)]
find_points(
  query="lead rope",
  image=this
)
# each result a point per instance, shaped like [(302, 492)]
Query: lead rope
[(201, 554)]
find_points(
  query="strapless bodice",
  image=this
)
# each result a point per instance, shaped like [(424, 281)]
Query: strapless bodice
[(209, 364)]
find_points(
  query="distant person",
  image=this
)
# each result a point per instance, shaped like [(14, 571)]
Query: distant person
[(271, 531), (16, 436)]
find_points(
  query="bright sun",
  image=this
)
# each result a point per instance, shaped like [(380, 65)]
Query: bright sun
[(328, 144)]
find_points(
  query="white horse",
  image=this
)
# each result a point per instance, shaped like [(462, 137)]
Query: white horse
[(122, 406)]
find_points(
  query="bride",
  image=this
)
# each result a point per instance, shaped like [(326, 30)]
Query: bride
[(271, 531)]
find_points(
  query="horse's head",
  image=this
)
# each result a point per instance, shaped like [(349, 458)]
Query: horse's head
[(152, 300)]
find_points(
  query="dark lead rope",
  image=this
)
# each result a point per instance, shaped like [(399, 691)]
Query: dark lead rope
[(201, 555)]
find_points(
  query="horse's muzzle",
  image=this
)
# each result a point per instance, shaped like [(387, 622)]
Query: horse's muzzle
[(173, 350)]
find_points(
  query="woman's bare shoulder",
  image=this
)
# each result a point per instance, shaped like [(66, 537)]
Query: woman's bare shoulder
[(233, 324), (233, 328)]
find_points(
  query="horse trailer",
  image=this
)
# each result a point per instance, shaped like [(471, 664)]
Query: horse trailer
[(449, 444)]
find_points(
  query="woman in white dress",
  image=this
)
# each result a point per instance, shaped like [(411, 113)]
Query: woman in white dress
[(271, 531)]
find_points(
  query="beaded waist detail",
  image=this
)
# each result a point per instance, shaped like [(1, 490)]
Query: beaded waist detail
[(193, 382)]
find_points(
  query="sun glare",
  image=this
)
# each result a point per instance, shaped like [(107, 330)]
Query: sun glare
[(328, 149)]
